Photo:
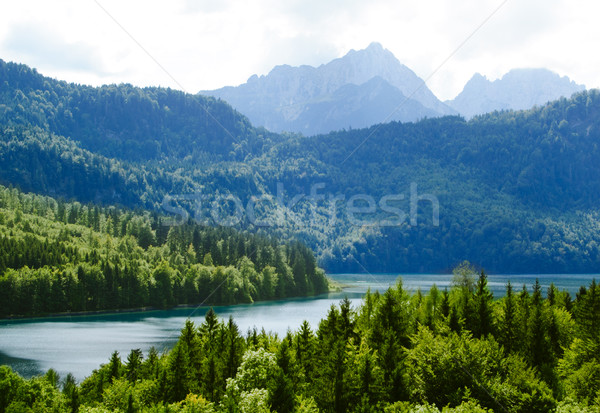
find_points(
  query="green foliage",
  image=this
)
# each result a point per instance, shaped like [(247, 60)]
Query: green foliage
[(517, 191), (507, 327), (67, 257), (568, 406), (406, 407), (36, 394), (483, 322), (247, 392), (580, 371), (465, 407), (306, 405), (381, 356)]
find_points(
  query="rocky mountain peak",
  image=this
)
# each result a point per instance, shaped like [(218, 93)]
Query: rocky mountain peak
[(517, 89)]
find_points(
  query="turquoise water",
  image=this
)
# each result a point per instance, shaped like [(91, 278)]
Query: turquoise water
[(80, 344)]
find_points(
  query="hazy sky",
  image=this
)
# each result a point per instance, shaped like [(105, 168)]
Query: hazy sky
[(208, 44)]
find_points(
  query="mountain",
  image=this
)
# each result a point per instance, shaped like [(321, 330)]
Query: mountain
[(358, 106), (126, 122), (517, 89), (513, 191), (291, 98)]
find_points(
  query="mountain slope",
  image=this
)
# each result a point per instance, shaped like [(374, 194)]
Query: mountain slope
[(517, 191), (283, 100), (68, 257), (353, 106), (518, 89), (126, 122)]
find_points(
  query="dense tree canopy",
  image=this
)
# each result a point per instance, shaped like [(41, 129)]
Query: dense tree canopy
[(517, 191), (60, 256), (396, 352)]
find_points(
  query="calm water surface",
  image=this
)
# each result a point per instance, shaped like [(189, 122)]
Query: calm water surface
[(80, 344)]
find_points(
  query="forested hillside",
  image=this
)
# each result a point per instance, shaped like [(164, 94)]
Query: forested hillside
[(60, 256), (517, 191), (126, 122), (451, 351)]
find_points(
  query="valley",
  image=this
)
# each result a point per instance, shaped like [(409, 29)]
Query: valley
[(516, 190), (464, 233)]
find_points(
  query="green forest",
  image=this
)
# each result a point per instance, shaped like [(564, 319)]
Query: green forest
[(58, 256), (517, 190), (100, 210), (457, 350)]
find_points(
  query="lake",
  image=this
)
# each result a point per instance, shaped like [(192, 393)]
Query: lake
[(79, 344)]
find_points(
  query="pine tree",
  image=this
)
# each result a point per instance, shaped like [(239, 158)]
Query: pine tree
[(210, 378), (114, 367), (366, 376), (482, 323), (523, 319), (587, 311), (538, 347), (390, 362), (209, 327), (508, 329), (463, 285), (130, 406), (445, 304), (281, 393), (71, 392), (552, 295), (346, 319), (133, 365), (454, 321), (150, 366), (177, 373), (190, 337), (234, 348), (304, 350)]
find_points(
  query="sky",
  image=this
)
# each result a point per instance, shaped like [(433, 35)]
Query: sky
[(195, 45)]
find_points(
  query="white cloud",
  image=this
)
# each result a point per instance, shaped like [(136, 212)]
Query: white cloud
[(208, 44), (42, 46)]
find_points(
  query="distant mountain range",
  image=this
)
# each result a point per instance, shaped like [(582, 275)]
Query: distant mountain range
[(362, 88), (371, 86), (518, 89)]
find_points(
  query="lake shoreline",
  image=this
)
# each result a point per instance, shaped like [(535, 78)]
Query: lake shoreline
[(334, 287), (31, 346)]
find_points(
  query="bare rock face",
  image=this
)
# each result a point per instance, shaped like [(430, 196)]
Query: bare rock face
[(363, 88), (518, 89)]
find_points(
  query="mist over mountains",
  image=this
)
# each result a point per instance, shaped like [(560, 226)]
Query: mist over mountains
[(372, 86)]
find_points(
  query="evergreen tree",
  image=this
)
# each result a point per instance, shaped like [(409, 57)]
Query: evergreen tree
[(523, 320), (304, 350), (482, 323), (190, 338), (133, 365), (538, 347), (281, 393), (508, 330), (178, 380), (587, 311), (114, 367), (234, 348), (71, 392), (463, 286)]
